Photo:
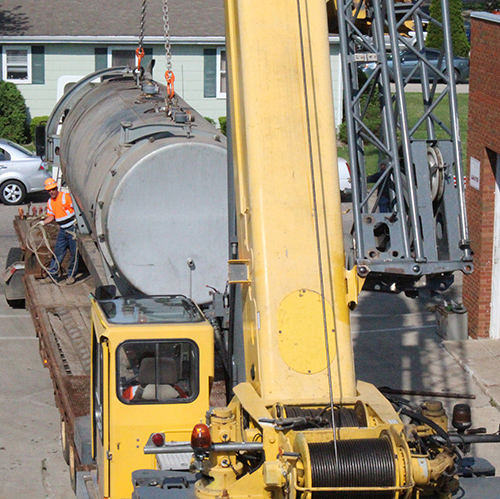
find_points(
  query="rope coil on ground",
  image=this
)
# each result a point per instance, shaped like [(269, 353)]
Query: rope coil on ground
[(34, 246)]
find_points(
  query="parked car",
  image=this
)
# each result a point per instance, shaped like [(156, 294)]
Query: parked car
[(21, 172), (344, 178), (409, 60)]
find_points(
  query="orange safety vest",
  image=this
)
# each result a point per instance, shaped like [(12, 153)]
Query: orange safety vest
[(62, 210)]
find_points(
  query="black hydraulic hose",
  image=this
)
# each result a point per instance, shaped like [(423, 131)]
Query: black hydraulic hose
[(422, 419)]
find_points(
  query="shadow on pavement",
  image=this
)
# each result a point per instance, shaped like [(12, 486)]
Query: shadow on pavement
[(396, 344)]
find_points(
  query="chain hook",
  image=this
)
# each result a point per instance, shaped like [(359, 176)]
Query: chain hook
[(170, 77), (139, 52)]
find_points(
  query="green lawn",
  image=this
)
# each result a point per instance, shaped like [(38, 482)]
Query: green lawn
[(414, 107)]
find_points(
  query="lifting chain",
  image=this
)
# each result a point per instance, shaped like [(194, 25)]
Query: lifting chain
[(169, 74), (139, 51)]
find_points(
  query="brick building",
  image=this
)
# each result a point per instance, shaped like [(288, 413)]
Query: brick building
[(481, 291)]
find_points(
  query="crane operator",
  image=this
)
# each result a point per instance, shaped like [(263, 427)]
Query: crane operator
[(60, 208)]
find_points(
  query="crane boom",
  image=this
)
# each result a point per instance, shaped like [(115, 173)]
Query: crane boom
[(289, 225)]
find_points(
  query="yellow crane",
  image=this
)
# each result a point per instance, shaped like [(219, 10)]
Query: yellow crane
[(300, 424), (296, 291)]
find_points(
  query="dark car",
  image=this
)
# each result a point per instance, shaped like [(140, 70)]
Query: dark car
[(409, 60)]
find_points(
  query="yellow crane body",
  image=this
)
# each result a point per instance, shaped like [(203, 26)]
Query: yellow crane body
[(296, 292)]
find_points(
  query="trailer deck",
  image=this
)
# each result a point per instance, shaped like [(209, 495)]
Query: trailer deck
[(61, 316)]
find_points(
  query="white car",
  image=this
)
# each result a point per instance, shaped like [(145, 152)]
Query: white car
[(344, 178), (21, 172)]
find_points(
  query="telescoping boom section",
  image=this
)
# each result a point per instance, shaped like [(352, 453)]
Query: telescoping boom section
[(295, 313)]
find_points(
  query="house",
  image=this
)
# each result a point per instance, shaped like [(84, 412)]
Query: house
[(46, 46), (481, 289)]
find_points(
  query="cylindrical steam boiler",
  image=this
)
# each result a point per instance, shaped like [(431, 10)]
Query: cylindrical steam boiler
[(149, 177)]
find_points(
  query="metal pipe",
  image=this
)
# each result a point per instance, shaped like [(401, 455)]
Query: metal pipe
[(474, 439), (349, 83), (219, 447), (464, 233), (420, 393), (405, 144)]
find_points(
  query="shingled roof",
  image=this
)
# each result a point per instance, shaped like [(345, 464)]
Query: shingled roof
[(76, 18)]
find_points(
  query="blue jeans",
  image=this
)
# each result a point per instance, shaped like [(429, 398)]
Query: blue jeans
[(384, 205), (66, 239)]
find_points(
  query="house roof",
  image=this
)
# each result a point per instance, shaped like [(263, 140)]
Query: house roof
[(120, 18)]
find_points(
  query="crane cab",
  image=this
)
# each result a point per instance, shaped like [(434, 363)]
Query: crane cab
[(152, 369)]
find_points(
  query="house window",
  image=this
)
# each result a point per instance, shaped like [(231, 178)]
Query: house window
[(121, 57), (16, 64), (222, 73)]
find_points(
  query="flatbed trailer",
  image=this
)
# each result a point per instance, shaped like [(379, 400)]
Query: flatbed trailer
[(62, 319), (94, 347)]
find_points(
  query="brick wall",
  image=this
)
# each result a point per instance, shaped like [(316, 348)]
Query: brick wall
[(483, 145)]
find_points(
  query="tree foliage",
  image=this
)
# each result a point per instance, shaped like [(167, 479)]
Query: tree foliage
[(481, 5), (223, 124), (459, 40), (372, 116), (13, 115)]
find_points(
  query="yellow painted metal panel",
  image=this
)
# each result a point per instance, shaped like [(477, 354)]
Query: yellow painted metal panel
[(299, 313), (288, 206), (133, 424), (251, 401)]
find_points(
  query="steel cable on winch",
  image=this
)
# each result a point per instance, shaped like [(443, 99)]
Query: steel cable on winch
[(366, 462), (318, 242)]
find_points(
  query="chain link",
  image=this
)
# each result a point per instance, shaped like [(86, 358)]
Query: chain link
[(166, 24), (143, 23)]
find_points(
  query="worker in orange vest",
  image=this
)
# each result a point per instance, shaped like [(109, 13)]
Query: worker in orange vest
[(60, 208)]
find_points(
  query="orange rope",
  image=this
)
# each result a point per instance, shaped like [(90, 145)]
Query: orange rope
[(169, 76), (139, 52)]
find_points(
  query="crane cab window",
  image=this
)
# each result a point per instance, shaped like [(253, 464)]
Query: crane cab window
[(168, 309), (157, 372)]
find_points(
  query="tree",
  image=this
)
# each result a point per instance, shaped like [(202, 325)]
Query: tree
[(372, 116), (12, 113), (223, 124), (459, 40)]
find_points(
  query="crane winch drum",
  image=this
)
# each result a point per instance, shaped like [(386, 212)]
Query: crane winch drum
[(149, 177)]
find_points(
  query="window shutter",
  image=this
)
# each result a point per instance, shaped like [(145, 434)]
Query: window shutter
[(210, 73), (1, 59), (38, 64), (101, 58)]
